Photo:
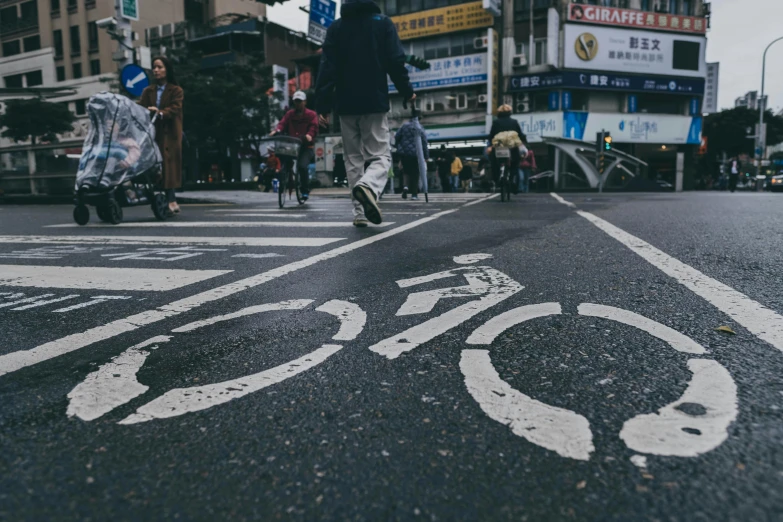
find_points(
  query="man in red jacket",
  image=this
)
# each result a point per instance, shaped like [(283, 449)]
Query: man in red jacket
[(300, 122)]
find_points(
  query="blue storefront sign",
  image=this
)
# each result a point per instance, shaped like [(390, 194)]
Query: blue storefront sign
[(470, 69), (633, 104), (695, 106), (607, 82), (554, 101), (566, 100)]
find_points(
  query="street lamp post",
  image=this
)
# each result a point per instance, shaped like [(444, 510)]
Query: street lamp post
[(762, 136)]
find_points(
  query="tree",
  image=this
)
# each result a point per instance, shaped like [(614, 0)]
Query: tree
[(727, 131), (35, 120)]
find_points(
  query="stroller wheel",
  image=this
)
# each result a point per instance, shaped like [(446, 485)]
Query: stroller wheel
[(103, 213), (114, 212), (81, 214), (160, 207)]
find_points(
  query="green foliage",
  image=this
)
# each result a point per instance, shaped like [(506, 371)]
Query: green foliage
[(36, 120), (727, 131)]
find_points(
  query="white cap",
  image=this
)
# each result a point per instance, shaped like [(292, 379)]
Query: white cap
[(300, 95)]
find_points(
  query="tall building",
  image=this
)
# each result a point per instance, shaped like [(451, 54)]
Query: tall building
[(750, 100)]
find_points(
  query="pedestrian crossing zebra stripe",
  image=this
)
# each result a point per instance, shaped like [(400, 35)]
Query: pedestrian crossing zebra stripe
[(176, 240), (218, 224)]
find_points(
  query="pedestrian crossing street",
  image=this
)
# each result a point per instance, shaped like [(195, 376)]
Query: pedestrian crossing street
[(60, 267)]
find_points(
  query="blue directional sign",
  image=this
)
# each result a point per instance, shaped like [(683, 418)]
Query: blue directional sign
[(323, 12), (134, 79)]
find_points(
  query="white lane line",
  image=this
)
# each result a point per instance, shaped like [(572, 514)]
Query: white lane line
[(97, 299), (176, 240), (681, 343), (493, 196), (258, 214), (404, 213), (487, 332), (113, 384), (180, 401), (561, 200), (757, 318), (46, 302), (694, 424), (563, 431), (223, 224), (352, 318), (258, 256), (269, 210), (17, 360), (295, 304), (26, 300), (103, 278)]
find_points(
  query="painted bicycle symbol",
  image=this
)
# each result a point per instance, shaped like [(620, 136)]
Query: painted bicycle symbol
[(694, 424)]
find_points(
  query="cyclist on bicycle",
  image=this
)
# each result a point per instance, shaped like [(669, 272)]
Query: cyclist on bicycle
[(300, 122), (503, 123)]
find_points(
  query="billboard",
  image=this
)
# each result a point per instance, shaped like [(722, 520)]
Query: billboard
[(711, 89), (605, 82), (443, 20), (539, 125), (634, 51), (470, 69), (633, 128), (596, 14)]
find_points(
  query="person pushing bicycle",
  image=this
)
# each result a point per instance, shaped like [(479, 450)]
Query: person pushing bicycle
[(300, 122)]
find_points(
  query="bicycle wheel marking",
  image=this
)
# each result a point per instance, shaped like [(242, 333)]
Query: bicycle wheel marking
[(692, 425), (352, 318)]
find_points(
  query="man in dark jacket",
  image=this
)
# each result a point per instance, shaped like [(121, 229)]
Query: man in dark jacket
[(406, 139), (360, 50), (444, 161), (503, 123)]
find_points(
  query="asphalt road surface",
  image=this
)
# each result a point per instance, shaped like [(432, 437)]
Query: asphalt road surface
[(590, 357)]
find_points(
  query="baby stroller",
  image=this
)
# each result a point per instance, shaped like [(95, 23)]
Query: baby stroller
[(120, 164)]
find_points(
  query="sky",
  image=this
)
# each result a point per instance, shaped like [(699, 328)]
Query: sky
[(741, 29)]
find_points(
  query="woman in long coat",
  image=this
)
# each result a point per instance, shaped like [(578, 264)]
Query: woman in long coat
[(165, 98)]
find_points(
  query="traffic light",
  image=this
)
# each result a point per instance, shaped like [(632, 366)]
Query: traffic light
[(607, 142), (417, 62)]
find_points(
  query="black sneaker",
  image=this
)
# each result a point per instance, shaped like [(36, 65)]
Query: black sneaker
[(366, 199), (404, 192)]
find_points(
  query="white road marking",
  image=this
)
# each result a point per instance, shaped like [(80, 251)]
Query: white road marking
[(113, 384), (352, 318), (405, 213), (17, 360), (162, 253), (25, 300), (490, 285), (180, 401), (258, 214), (640, 461), (295, 304), (94, 300), (561, 200), (557, 429), (223, 224), (674, 431), (258, 256), (103, 278), (487, 332), (269, 210), (681, 343), (46, 302), (469, 259), (757, 318), (11, 295), (178, 240)]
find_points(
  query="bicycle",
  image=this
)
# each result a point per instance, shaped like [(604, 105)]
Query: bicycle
[(503, 156), (287, 149)]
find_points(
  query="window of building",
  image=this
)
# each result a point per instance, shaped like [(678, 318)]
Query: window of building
[(659, 103), (95, 67), (58, 43), (73, 5), (673, 5), (77, 71), (34, 78), (645, 5), (92, 36), (400, 7), (9, 17), (444, 46), (76, 44), (540, 51), (60, 73), (14, 81), (687, 8), (55, 5), (11, 48), (32, 43), (29, 12), (80, 107)]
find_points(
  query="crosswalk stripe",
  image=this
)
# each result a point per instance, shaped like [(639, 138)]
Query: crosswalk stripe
[(36, 304), (176, 240), (101, 278), (217, 224), (256, 214), (263, 209)]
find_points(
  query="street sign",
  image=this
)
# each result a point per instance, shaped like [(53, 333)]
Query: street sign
[(322, 13), (129, 9), (134, 79)]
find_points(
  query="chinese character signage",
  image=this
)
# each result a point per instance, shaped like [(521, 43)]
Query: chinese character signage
[(443, 20), (470, 69), (594, 14), (634, 128), (634, 51), (711, 88), (540, 125), (606, 82)]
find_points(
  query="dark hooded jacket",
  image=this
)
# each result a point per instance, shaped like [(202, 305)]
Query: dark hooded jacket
[(360, 50)]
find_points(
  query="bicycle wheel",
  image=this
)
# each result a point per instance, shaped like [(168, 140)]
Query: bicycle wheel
[(282, 187), (503, 185)]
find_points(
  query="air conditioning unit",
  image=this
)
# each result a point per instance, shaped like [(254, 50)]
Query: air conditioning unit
[(519, 60), (522, 103), (483, 98), (482, 42)]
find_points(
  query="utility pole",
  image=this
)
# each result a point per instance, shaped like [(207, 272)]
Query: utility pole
[(507, 48), (761, 139)]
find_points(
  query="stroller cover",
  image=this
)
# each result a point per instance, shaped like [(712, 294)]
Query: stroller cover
[(120, 143)]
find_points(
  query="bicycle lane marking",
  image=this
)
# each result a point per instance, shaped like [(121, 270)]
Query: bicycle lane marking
[(17, 360), (757, 318)]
